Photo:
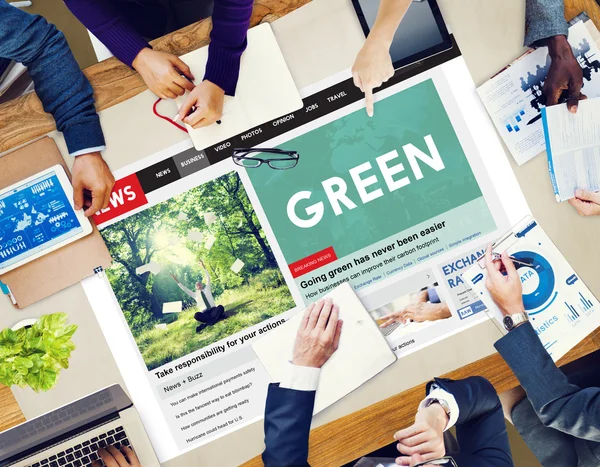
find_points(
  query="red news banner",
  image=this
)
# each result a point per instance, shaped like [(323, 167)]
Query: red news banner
[(127, 195), (312, 262)]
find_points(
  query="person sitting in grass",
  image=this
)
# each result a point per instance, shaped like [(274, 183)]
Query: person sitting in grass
[(204, 299)]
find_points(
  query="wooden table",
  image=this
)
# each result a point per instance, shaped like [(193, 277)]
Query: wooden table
[(356, 434)]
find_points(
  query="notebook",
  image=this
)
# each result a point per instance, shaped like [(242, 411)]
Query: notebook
[(362, 353), (265, 89)]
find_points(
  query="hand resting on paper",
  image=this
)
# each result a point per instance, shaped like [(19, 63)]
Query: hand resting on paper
[(587, 203), (419, 310), (162, 73), (503, 283), (113, 457), (318, 335), (205, 103), (565, 74), (425, 438)]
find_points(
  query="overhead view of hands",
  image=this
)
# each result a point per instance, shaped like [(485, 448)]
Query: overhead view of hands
[(565, 74), (318, 334), (424, 440), (504, 283), (586, 203), (92, 183), (419, 311), (113, 457)]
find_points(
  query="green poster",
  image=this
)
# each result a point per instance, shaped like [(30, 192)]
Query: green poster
[(345, 194)]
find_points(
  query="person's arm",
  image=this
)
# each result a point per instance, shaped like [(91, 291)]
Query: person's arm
[(231, 19), (186, 290), (558, 404), (289, 407), (546, 26), (477, 412), (373, 65), (206, 277), (586, 203), (65, 93)]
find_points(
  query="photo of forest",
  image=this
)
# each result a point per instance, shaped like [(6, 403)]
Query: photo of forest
[(163, 255)]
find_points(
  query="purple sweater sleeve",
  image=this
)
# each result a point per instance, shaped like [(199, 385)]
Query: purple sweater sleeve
[(103, 20), (231, 19)]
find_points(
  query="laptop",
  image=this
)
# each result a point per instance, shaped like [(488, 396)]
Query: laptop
[(71, 435)]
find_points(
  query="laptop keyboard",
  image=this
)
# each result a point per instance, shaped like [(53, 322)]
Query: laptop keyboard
[(391, 328), (82, 455)]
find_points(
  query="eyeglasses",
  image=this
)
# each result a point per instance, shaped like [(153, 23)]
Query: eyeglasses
[(281, 160), (447, 461)]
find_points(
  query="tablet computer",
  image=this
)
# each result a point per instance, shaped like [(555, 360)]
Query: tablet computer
[(421, 34), (37, 217)]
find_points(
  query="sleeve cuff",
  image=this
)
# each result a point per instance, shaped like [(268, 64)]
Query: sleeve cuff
[(84, 135), (439, 393), (301, 378), (81, 152)]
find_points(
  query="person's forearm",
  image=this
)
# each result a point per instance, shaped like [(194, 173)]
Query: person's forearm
[(104, 21), (544, 19), (61, 86), (388, 19), (442, 311), (231, 19)]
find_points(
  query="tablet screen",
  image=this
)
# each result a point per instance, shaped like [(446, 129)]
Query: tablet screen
[(33, 217), (421, 33)]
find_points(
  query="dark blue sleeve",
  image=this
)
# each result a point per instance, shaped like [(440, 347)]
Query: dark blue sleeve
[(480, 429), (61, 86), (558, 404), (288, 414)]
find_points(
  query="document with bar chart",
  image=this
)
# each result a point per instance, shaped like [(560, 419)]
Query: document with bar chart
[(561, 308)]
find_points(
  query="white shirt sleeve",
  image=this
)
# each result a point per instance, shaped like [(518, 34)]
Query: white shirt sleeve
[(88, 151), (439, 393), (300, 378), (186, 290)]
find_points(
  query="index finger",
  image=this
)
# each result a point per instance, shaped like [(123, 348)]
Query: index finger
[(369, 100), (97, 200), (552, 94), (196, 117), (407, 432), (305, 316), (186, 107), (574, 94), (120, 458), (509, 266), (107, 458), (325, 313), (183, 82), (131, 455)]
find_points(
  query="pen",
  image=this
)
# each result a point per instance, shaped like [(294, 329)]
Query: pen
[(514, 260)]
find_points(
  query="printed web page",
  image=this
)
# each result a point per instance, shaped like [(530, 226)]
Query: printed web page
[(209, 255)]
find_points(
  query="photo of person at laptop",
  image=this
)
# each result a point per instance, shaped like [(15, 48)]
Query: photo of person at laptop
[(211, 312), (66, 94), (424, 305), (126, 26)]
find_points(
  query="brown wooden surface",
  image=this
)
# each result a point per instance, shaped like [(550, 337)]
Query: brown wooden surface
[(23, 119), (10, 413), (334, 443)]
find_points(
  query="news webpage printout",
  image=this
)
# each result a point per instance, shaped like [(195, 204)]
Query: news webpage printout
[(209, 256)]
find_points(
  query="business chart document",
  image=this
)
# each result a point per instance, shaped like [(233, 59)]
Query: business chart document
[(397, 205), (573, 147)]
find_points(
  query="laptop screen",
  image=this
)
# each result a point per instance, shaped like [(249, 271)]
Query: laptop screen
[(421, 33), (46, 430)]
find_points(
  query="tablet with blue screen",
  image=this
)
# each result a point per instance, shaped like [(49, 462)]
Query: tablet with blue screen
[(37, 217)]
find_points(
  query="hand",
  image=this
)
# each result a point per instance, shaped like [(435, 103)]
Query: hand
[(91, 179), (418, 312), (418, 460), (586, 203), (565, 74), (505, 289), (425, 437), (372, 67), (112, 457), (208, 99), (162, 73), (318, 334)]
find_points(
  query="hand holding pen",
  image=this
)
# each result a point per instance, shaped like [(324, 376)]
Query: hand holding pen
[(203, 105)]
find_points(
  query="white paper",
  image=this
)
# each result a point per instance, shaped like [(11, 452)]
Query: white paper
[(210, 218), (210, 241), (195, 236), (237, 266), (152, 267), (182, 216), (512, 98), (171, 307), (573, 148), (161, 326)]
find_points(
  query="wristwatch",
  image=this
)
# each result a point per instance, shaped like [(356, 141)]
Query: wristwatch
[(442, 402), (513, 321)]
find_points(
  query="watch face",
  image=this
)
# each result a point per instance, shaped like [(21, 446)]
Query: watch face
[(508, 323)]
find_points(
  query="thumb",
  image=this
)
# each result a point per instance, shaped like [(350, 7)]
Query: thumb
[(181, 66), (586, 195), (416, 459), (77, 193)]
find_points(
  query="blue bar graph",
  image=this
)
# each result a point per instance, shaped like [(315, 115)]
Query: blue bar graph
[(573, 315), (586, 303)]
